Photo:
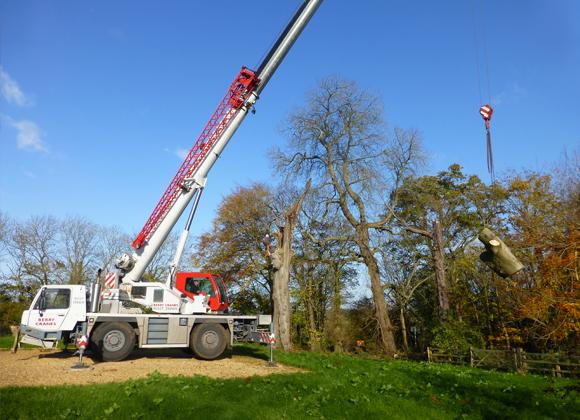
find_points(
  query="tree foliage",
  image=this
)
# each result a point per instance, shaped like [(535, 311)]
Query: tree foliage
[(234, 247)]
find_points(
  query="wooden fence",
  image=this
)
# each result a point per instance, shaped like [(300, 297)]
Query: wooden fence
[(515, 360)]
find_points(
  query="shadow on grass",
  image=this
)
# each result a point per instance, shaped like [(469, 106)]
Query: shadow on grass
[(250, 351), (492, 396), (172, 353)]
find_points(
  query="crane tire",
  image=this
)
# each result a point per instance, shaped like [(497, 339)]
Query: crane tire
[(208, 341), (112, 341)]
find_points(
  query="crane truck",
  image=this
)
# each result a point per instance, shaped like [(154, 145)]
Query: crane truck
[(120, 311)]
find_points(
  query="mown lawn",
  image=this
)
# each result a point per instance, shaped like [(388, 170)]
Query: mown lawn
[(6, 341), (336, 386)]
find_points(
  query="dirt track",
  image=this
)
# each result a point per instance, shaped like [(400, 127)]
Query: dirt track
[(41, 368)]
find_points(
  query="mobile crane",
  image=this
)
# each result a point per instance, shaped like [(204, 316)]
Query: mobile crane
[(127, 312)]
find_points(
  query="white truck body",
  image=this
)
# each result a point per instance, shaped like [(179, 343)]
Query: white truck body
[(65, 314)]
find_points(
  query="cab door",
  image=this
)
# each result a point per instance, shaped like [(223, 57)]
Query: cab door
[(193, 284), (50, 308)]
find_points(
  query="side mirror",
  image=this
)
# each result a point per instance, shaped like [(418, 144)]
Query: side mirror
[(42, 301)]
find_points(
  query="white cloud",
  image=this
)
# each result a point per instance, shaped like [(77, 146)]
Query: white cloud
[(512, 94), (181, 153), (11, 90), (29, 136)]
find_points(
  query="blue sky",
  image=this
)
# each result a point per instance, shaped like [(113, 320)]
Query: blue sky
[(99, 99)]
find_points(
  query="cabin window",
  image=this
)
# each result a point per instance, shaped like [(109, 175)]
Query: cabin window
[(197, 285), (55, 299), (138, 292), (158, 295)]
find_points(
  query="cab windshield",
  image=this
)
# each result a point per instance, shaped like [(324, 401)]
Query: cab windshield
[(222, 289), (54, 299), (197, 285)]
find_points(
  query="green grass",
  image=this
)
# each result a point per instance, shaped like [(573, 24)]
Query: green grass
[(335, 386), (6, 341)]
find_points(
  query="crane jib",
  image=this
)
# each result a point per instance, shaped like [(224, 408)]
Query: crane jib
[(239, 91), (247, 84)]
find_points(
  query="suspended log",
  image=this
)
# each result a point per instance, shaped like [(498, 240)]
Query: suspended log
[(497, 255)]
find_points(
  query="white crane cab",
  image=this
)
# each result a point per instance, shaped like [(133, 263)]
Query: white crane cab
[(55, 311)]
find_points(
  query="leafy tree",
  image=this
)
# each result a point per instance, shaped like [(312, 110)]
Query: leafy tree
[(447, 211), (405, 275), (234, 247), (545, 234)]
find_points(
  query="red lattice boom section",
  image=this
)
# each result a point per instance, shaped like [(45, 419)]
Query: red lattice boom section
[(244, 83)]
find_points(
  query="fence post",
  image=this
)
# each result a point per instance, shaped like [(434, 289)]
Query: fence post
[(471, 362), (429, 356), (523, 359)]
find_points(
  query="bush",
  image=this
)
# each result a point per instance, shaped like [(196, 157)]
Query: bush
[(10, 314), (457, 337)]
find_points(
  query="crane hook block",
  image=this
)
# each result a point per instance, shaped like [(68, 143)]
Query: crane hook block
[(486, 111)]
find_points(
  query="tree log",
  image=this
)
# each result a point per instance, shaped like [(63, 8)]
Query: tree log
[(497, 255)]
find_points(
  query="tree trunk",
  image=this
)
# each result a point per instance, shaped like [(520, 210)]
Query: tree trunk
[(281, 259), (313, 334), (337, 314), (386, 337), (404, 331), (439, 263), (280, 293)]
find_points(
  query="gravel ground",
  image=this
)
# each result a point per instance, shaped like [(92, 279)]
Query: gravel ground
[(45, 368)]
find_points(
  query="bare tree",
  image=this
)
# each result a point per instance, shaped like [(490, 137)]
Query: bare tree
[(339, 140), (33, 255), (111, 242), (322, 271), (158, 269), (78, 242), (401, 271), (4, 232)]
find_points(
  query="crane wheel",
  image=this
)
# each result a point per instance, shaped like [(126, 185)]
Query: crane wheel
[(208, 341), (112, 341)]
